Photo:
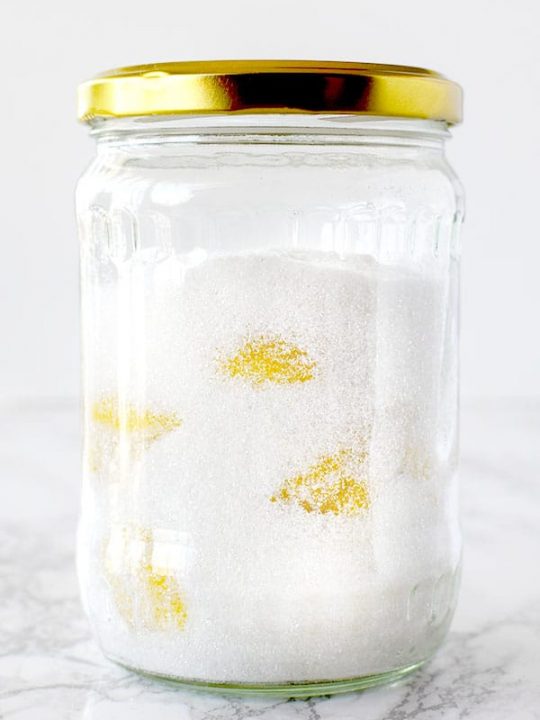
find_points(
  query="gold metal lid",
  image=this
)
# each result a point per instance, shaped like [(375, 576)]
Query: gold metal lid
[(271, 86)]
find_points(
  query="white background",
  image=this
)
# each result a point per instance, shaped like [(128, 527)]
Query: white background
[(492, 47)]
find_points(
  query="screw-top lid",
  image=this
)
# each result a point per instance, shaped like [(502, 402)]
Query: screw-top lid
[(271, 86)]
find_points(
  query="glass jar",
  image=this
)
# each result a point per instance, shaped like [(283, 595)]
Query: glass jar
[(269, 299)]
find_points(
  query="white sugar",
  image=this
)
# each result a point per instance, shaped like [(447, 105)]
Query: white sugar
[(274, 591)]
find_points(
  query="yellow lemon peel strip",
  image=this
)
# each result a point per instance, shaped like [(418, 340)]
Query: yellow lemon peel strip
[(328, 486), (124, 421), (145, 595), (126, 418), (167, 606), (270, 359)]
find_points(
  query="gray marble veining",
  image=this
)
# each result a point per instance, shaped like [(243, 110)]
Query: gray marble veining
[(51, 669)]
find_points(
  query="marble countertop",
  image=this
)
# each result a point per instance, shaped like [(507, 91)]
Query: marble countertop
[(488, 669)]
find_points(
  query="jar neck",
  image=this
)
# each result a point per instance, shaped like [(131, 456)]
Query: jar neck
[(274, 129)]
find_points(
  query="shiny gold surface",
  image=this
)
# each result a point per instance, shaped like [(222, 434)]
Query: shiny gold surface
[(271, 86)]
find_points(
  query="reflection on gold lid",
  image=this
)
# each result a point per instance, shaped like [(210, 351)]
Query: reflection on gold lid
[(271, 86)]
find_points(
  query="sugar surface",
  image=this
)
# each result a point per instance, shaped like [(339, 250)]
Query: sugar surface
[(272, 592)]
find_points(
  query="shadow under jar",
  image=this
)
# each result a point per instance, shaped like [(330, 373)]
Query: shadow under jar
[(269, 300)]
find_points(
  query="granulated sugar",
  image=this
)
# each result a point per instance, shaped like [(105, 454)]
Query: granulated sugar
[(269, 496)]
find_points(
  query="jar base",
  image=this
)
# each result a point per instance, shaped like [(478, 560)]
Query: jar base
[(301, 690)]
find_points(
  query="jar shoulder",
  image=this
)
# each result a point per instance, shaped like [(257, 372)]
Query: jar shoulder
[(342, 179)]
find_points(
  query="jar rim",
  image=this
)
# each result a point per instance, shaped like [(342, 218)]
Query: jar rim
[(271, 86)]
